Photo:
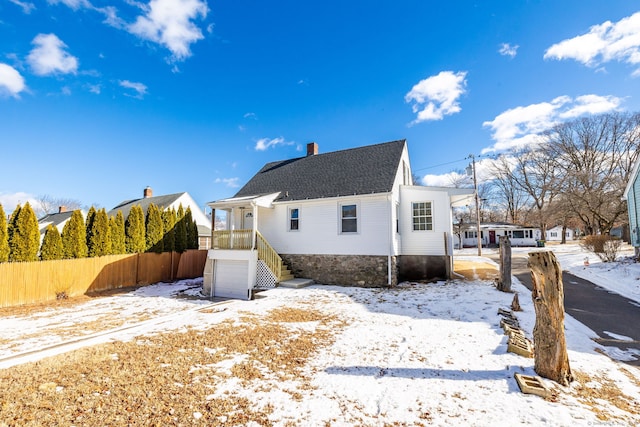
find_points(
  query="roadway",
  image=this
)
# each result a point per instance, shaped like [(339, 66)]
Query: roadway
[(599, 309)]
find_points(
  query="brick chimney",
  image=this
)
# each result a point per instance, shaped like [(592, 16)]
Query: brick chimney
[(148, 192), (62, 209), (312, 149)]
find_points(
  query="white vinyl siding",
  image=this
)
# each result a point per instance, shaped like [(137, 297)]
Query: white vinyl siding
[(321, 232), (418, 243)]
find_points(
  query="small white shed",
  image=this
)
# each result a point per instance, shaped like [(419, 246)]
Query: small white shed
[(231, 274)]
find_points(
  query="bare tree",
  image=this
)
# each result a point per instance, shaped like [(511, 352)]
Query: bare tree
[(507, 192), (595, 157), (47, 204)]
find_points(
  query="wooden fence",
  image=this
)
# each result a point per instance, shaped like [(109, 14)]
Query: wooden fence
[(31, 282)]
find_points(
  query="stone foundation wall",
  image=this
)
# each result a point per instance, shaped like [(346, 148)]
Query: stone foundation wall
[(347, 270), (423, 267)]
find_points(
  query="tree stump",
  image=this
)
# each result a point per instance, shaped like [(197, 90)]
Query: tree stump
[(515, 304), (504, 282), (551, 359)]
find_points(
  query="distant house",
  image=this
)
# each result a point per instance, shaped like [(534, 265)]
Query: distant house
[(519, 235), (170, 201), (349, 217), (58, 220), (632, 196), (555, 234)]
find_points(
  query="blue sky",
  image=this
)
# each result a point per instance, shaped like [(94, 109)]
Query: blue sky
[(101, 99)]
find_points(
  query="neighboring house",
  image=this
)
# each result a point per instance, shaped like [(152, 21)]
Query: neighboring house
[(349, 217), (58, 219), (170, 201), (632, 196), (555, 234), (519, 235)]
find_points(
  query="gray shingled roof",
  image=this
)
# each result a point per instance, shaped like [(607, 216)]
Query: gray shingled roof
[(161, 202), (55, 218), (364, 170)]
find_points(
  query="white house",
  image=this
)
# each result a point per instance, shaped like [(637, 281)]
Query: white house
[(519, 235), (170, 201), (632, 196), (555, 234), (349, 217)]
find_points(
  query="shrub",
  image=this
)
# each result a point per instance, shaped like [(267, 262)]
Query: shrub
[(51, 244), (154, 229), (74, 236), (604, 246), (116, 231), (4, 237), (24, 235)]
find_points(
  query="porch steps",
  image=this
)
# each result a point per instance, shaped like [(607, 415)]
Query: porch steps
[(285, 273), (295, 283)]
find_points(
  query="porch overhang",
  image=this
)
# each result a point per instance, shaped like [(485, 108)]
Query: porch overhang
[(259, 200)]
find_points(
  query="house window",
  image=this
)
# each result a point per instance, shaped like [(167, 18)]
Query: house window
[(553, 234), (397, 218), (349, 218), (422, 216), (294, 219), (517, 234)]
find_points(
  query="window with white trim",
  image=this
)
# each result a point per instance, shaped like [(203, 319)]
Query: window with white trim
[(422, 216), (349, 218), (294, 219)]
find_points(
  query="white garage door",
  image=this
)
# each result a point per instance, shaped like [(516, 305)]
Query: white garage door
[(231, 279)]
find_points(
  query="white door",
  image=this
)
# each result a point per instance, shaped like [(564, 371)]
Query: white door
[(231, 279), (247, 221)]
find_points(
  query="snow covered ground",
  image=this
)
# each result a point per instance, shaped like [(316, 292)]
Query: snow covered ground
[(418, 354)]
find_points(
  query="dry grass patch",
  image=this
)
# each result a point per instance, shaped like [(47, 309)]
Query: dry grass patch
[(171, 378), (595, 392)]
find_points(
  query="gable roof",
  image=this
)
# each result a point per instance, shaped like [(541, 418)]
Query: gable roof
[(54, 219), (363, 170), (162, 202)]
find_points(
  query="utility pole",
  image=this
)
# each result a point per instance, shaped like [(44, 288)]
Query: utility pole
[(475, 188)]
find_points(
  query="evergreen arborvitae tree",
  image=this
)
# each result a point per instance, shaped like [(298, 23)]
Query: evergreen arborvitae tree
[(51, 244), (4, 237), (13, 224), (116, 230), (134, 231), (169, 222), (192, 230), (181, 231), (74, 236), (154, 229), (99, 243), (24, 238), (89, 220)]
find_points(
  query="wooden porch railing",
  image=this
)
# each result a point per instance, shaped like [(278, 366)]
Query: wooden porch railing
[(270, 257), (241, 239), (236, 239)]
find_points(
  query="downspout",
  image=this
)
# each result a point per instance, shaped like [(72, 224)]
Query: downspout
[(389, 282), (254, 212), (232, 226)]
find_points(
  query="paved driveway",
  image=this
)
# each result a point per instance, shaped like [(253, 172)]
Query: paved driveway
[(596, 307)]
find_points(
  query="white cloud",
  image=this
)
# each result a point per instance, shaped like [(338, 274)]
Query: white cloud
[(95, 88), (9, 201), (619, 41), (518, 127), (250, 116), (49, 56), (507, 49), (170, 23), (27, 7), (229, 182), (437, 96), (139, 88), (11, 81), (264, 143), (73, 4)]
